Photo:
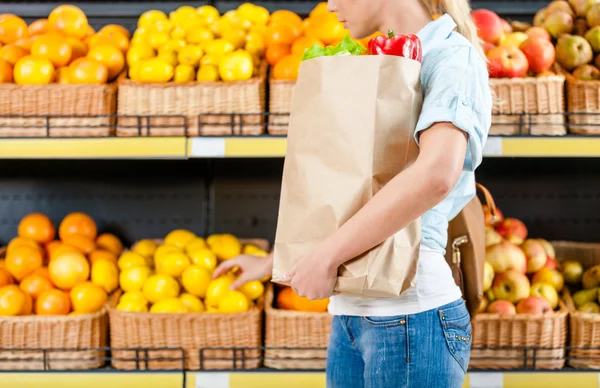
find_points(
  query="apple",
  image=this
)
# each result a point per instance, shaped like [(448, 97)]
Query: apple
[(488, 276), (582, 297), (548, 247), (535, 254), (506, 27), (538, 32), (593, 16), (551, 263), (487, 46), (572, 272), (514, 39), (540, 54), (504, 256), (559, 6), (511, 286), (540, 17), (558, 23), (593, 36), (590, 307), (489, 25), (581, 7), (483, 305), (545, 291), (550, 276), (591, 278), (534, 305), (488, 215), (586, 73), (573, 51), (507, 62), (513, 230), (502, 307), (492, 237)]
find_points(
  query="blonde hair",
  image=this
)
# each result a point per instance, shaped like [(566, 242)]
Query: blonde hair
[(460, 10)]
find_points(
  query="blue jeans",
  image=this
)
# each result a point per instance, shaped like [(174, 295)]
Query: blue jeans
[(428, 350)]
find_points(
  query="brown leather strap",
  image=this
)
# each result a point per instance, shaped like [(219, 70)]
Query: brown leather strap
[(489, 200)]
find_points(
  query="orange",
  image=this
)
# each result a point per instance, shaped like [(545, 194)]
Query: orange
[(6, 72), (54, 48), (89, 32), (107, 29), (110, 242), (39, 27), (326, 28), (277, 51), (26, 43), (289, 300), (319, 9), (69, 269), (53, 302), (115, 38), (52, 245), (77, 223), (34, 285), (78, 48), (83, 243), (30, 70), (287, 68), (42, 271), (22, 261), (27, 305), (5, 277), (12, 28), (12, 300), (12, 53), (63, 248), (285, 17), (303, 44), (110, 56), (20, 241), (38, 227), (69, 20), (87, 71), (102, 254), (87, 298), (282, 33)]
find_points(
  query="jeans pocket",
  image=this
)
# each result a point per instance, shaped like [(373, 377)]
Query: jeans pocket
[(456, 326), (392, 321)]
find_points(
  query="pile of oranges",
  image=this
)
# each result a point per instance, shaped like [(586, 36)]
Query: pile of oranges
[(47, 276), (63, 48), (175, 275)]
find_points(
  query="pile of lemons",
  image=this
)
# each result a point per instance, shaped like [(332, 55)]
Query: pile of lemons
[(175, 275)]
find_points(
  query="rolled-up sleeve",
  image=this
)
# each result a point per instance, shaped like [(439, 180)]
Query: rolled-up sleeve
[(456, 89)]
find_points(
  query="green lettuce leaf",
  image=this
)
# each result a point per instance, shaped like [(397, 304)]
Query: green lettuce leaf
[(345, 47), (315, 51)]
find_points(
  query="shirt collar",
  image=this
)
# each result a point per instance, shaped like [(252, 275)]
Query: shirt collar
[(434, 30)]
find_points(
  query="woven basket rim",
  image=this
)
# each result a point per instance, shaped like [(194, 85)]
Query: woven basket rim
[(562, 312), (527, 80), (281, 81), (55, 318)]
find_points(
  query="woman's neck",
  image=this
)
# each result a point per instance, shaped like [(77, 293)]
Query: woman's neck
[(405, 17)]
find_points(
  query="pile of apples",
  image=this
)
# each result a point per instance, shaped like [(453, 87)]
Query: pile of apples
[(584, 284), (514, 50), (521, 275)]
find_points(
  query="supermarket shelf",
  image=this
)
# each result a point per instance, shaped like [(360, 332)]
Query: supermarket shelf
[(268, 379)]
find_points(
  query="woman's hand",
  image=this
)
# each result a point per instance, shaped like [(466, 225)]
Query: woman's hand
[(251, 267), (314, 277)]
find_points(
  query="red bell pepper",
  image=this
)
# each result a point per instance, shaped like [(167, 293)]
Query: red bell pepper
[(408, 46)]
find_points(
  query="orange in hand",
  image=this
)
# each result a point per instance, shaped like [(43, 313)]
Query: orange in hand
[(53, 302), (289, 300), (37, 227)]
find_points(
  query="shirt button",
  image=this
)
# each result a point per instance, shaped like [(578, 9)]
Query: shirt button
[(465, 101)]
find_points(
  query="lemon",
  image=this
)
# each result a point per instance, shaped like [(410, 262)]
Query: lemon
[(208, 14), (157, 39), (132, 296), (219, 47), (193, 304), (155, 70), (164, 26), (163, 250), (190, 55), (225, 246), (169, 305), (253, 290), (169, 57), (204, 258), (131, 259), (233, 302), (178, 33), (106, 275), (254, 250), (145, 248), (195, 280), (217, 289), (195, 244), (179, 238), (208, 73), (142, 32), (211, 309), (133, 279), (211, 60), (139, 52), (159, 287), (133, 306), (199, 35), (173, 264), (183, 12), (235, 36), (174, 45), (184, 73), (149, 18)]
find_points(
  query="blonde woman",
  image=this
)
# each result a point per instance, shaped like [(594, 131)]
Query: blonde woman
[(422, 338)]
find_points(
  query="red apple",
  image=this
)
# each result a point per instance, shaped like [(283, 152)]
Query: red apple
[(488, 216), (502, 307), (504, 256), (551, 263), (540, 54), (507, 62), (513, 230), (545, 291), (511, 286), (489, 25), (549, 276), (535, 254), (487, 46), (538, 32), (534, 305)]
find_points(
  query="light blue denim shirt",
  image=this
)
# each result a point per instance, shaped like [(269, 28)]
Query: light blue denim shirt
[(455, 89)]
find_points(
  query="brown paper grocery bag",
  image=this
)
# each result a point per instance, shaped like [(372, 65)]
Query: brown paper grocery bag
[(351, 131)]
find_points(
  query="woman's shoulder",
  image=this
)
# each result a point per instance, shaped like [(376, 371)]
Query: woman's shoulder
[(451, 51)]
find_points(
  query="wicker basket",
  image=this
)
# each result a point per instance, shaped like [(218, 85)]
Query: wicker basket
[(208, 108), (295, 330), (528, 106), (508, 337), (584, 327), (57, 110), (280, 105), (583, 104), (194, 341)]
